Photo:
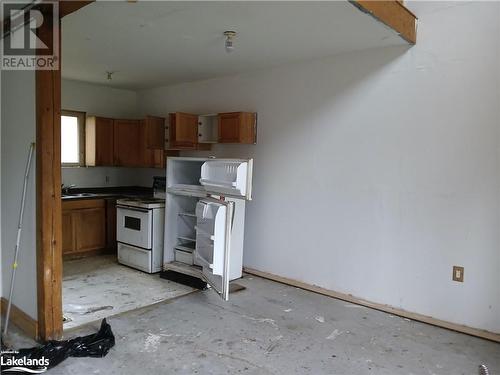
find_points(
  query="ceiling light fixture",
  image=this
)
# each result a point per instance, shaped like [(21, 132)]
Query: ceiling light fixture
[(229, 44)]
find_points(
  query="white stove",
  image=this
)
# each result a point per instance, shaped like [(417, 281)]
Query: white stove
[(139, 229)]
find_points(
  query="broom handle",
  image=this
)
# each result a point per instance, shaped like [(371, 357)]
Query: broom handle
[(18, 239)]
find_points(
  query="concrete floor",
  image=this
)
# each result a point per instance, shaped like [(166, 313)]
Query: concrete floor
[(271, 328), (98, 287)]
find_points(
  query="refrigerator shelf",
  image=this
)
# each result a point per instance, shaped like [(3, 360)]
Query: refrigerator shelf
[(184, 248), (192, 270), (216, 183), (184, 257), (188, 214), (189, 187), (186, 239), (202, 233)]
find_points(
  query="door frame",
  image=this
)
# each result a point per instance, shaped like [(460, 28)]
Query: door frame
[(48, 186)]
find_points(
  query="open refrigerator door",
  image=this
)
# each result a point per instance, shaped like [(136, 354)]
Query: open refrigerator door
[(213, 239), (231, 177)]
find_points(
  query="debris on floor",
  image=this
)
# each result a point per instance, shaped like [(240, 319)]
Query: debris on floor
[(41, 358)]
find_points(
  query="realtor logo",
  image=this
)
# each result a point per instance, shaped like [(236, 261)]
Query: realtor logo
[(30, 35)]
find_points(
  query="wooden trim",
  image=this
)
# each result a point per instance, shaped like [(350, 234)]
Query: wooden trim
[(48, 198), (385, 308), (393, 14), (19, 318)]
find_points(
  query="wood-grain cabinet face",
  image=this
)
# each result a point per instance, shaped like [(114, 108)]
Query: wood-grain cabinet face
[(111, 223), (83, 225), (155, 132), (99, 141), (237, 127), (68, 235), (90, 229), (125, 143), (182, 131), (152, 157), (128, 148), (142, 143), (198, 132)]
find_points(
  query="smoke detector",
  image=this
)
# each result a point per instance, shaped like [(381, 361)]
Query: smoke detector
[(229, 43)]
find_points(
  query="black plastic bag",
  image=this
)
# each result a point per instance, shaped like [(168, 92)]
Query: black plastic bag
[(52, 353)]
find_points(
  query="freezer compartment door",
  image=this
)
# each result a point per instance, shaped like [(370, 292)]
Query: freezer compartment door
[(213, 238), (230, 177)]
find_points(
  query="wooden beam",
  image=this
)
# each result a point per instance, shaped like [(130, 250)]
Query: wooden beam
[(19, 318), (69, 6), (376, 306), (393, 14), (48, 186), (48, 195)]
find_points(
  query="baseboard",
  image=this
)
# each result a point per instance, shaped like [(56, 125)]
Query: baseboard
[(19, 318), (385, 308)]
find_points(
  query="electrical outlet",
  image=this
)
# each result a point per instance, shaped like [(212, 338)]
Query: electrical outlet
[(458, 274)]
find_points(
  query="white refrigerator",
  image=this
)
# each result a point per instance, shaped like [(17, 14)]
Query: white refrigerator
[(205, 218)]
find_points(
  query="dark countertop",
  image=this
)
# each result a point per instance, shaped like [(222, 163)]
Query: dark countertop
[(107, 192)]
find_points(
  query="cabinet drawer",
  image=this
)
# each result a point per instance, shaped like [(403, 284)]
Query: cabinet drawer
[(134, 257), (75, 204)]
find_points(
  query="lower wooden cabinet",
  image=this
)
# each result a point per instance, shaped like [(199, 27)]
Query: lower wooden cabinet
[(90, 229), (111, 223), (83, 225), (68, 243)]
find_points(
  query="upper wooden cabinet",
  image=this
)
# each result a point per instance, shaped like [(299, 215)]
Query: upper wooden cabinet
[(128, 148), (152, 157), (99, 139), (155, 132), (142, 143), (182, 131), (237, 127), (189, 131)]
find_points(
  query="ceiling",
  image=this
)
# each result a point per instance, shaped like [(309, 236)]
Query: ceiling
[(155, 43)]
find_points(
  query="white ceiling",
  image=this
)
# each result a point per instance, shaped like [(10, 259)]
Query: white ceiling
[(154, 43)]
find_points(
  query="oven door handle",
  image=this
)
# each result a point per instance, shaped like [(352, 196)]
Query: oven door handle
[(133, 208)]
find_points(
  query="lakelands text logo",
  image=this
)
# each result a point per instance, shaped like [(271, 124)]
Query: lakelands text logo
[(30, 35), (10, 364)]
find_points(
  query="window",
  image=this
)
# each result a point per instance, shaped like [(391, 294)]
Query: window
[(72, 138)]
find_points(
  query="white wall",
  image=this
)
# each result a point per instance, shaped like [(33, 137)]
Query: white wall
[(17, 132), (377, 171), (107, 102)]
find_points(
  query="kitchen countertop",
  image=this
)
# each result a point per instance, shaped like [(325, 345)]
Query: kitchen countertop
[(107, 192)]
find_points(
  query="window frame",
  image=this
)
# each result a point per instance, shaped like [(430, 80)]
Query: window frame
[(81, 116)]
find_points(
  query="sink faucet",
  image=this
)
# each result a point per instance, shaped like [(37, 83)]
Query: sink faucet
[(65, 189)]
